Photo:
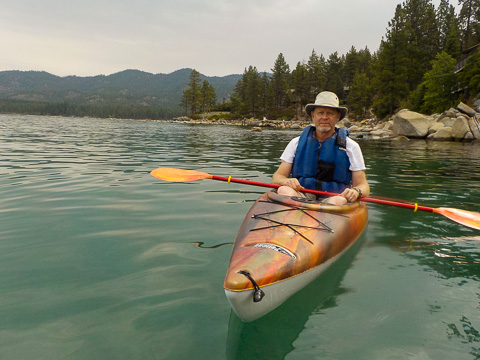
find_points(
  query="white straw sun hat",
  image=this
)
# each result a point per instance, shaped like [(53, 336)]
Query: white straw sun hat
[(327, 99)]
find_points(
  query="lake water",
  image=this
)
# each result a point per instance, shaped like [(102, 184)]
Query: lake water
[(99, 260)]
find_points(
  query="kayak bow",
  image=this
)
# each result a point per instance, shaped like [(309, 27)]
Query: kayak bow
[(283, 244)]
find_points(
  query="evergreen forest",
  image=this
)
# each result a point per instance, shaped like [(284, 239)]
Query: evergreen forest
[(427, 61)]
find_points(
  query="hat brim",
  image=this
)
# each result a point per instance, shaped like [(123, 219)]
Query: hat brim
[(310, 107)]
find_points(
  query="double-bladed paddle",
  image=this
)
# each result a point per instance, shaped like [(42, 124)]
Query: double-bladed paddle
[(464, 217)]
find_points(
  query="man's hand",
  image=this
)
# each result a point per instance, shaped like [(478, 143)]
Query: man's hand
[(350, 194), (293, 183)]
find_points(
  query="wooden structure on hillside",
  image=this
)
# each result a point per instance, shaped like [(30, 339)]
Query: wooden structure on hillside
[(464, 57)]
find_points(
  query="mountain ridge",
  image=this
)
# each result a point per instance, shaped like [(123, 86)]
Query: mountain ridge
[(128, 87)]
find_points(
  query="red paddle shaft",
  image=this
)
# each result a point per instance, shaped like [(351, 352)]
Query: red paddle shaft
[(323, 193)]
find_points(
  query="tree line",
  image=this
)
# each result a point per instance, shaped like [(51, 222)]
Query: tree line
[(199, 97), (415, 67), (97, 111)]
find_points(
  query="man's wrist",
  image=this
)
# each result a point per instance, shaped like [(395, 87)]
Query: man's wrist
[(358, 190)]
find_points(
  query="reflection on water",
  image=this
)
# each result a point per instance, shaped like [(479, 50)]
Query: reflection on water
[(264, 339), (467, 333), (426, 171), (449, 257), (200, 245)]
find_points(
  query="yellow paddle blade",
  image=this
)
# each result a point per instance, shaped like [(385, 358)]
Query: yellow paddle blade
[(179, 175), (464, 217)]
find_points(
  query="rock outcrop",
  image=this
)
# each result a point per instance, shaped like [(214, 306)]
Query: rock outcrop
[(457, 124), (463, 123), (410, 124)]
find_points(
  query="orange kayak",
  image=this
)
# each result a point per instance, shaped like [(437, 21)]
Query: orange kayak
[(283, 244)]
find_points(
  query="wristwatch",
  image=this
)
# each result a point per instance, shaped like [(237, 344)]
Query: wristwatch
[(358, 190)]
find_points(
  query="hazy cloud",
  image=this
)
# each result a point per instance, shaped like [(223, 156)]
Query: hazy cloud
[(216, 37)]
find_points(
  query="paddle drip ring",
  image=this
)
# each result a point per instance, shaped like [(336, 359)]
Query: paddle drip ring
[(258, 293)]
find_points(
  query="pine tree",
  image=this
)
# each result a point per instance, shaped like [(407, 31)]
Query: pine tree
[(253, 96), (440, 82), (449, 32), (280, 82), (316, 74), (208, 97), (248, 95), (192, 95), (352, 62), (360, 95), (453, 44), (406, 53), (333, 76), (300, 86), (422, 39), (469, 19), (365, 60), (238, 97), (390, 69), (267, 97)]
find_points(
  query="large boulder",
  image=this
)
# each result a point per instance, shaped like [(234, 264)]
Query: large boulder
[(464, 108), (460, 128), (476, 105), (411, 124), (381, 133), (435, 126), (474, 124), (452, 113), (346, 122), (448, 121), (388, 125), (444, 133)]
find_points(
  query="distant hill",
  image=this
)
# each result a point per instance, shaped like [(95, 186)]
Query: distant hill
[(126, 88)]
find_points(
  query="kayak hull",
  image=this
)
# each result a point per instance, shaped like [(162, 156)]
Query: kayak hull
[(283, 244)]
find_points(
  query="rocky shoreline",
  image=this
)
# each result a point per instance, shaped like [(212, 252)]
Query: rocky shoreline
[(457, 124)]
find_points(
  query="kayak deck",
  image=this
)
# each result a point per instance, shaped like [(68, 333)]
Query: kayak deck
[(282, 245)]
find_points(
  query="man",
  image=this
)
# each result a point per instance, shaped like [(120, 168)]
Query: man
[(323, 157)]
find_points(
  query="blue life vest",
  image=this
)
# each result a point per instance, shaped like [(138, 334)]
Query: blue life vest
[(322, 166)]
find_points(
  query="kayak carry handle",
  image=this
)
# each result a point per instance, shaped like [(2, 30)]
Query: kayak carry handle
[(258, 294)]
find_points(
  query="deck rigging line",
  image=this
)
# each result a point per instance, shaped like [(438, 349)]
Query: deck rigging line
[(265, 216)]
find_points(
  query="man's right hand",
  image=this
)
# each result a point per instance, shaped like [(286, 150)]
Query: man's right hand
[(293, 183)]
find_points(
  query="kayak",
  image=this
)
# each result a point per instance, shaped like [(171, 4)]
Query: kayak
[(283, 244)]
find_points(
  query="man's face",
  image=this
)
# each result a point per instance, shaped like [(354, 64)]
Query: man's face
[(325, 118)]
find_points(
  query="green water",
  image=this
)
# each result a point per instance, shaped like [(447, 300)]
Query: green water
[(99, 260)]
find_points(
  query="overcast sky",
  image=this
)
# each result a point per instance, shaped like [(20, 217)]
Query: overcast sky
[(215, 37)]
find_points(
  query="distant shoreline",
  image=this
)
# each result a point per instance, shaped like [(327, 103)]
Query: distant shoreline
[(252, 122), (441, 127)]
